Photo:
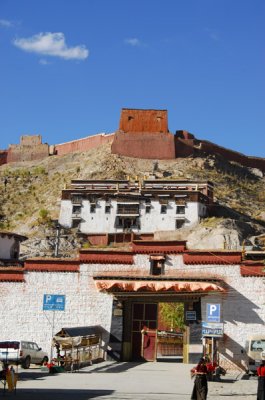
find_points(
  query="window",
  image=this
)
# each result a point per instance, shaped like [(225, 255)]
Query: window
[(76, 199), (127, 223), (93, 208), (148, 208), (180, 223), (76, 209), (180, 210), (257, 345), (76, 223), (157, 266), (127, 208), (107, 209), (14, 251), (163, 208)]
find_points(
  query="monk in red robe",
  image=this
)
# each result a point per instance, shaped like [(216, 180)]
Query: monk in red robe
[(261, 381), (200, 388)]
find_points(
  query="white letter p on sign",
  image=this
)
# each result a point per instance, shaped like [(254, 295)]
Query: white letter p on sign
[(213, 308)]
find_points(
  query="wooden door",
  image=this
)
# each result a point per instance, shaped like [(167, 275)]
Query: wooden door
[(144, 319)]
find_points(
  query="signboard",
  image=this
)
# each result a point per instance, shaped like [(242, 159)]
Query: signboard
[(191, 315), (53, 302), (213, 312), (212, 329)]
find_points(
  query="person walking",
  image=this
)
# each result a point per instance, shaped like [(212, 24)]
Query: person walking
[(261, 380), (200, 388)]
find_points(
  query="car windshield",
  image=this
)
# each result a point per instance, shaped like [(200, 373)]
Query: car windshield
[(257, 345)]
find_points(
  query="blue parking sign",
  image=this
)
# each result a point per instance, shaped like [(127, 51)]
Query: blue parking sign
[(53, 302), (213, 312)]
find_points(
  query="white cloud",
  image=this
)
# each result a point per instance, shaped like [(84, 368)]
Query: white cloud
[(52, 44), (133, 41), (5, 23)]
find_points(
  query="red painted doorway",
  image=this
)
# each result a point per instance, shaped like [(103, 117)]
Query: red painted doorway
[(144, 325)]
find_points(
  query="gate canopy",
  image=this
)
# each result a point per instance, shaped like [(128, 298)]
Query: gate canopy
[(163, 286)]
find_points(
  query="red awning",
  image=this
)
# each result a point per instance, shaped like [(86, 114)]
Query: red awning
[(10, 277), (105, 285)]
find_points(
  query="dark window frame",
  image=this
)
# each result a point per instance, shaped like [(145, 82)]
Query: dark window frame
[(107, 209), (163, 209), (92, 208), (179, 223), (157, 267), (180, 209)]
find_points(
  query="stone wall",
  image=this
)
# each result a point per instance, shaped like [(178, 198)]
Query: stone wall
[(22, 317), (231, 155), (135, 120), (144, 145), (144, 134), (3, 157), (30, 148), (81, 145), (184, 147), (30, 140)]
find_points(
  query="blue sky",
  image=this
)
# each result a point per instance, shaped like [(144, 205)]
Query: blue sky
[(68, 67)]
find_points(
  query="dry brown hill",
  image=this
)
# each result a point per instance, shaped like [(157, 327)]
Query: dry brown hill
[(30, 191)]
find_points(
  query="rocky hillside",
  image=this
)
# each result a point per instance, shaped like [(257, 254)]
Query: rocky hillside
[(30, 196)]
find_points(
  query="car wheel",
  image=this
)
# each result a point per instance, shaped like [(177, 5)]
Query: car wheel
[(45, 360), (26, 363)]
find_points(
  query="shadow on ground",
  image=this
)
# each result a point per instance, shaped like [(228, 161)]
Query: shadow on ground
[(111, 368), (43, 394)]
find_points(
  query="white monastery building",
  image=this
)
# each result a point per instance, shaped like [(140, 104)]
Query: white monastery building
[(140, 207)]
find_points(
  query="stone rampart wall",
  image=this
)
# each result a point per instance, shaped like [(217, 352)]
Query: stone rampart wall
[(247, 161), (134, 121), (144, 145), (3, 157), (17, 153), (84, 144)]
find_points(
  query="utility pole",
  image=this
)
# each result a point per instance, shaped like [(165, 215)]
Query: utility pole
[(57, 240)]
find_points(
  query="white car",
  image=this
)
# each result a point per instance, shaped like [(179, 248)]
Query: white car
[(21, 352)]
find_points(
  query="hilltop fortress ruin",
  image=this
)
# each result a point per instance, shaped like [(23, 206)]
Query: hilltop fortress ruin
[(141, 134)]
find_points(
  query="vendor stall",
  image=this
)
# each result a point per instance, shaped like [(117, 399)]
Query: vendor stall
[(76, 347)]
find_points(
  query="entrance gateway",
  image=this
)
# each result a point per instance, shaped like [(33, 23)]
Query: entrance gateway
[(147, 337), (136, 330), (139, 333)]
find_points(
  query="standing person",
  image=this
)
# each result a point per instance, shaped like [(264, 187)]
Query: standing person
[(261, 380), (200, 388)]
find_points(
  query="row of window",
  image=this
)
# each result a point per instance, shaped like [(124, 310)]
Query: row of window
[(129, 209), (130, 223)]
